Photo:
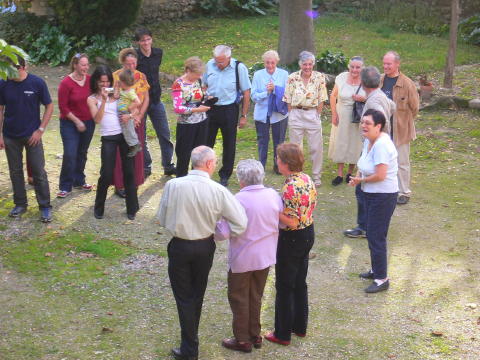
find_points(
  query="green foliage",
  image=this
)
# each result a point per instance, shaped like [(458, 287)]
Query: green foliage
[(16, 27), (51, 46), (470, 29), (250, 7), (8, 58), (418, 17), (103, 47), (332, 63), (89, 18)]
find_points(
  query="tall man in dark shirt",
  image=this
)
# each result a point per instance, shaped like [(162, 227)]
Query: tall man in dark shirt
[(21, 127), (149, 60)]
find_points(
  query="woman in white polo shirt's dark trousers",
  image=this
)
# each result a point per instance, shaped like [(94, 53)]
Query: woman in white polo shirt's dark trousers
[(378, 178), (103, 108)]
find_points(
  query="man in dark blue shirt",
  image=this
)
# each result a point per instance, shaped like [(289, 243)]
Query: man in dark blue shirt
[(21, 127), (149, 60)]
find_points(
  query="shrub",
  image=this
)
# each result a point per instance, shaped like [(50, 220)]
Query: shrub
[(51, 46), (332, 63), (470, 29), (16, 27), (100, 46), (89, 18), (250, 7)]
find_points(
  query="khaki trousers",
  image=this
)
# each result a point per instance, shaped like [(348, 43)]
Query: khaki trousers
[(308, 122), (404, 169), (245, 291)]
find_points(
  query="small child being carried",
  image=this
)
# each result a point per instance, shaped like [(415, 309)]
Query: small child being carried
[(128, 104)]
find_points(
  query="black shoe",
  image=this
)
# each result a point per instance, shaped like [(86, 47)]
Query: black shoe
[(224, 182), (275, 169), (347, 178), (17, 211), (170, 170), (402, 200), (374, 287), (367, 275), (121, 193), (46, 215), (337, 181), (98, 214), (131, 216), (147, 173), (177, 354), (133, 150), (355, 233)]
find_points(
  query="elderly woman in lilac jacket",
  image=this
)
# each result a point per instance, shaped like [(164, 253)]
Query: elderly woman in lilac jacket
[(251, 254)]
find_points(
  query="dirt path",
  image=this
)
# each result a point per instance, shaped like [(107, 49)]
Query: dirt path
[(430, 312)]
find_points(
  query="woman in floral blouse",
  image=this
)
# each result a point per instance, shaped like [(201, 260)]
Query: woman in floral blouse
[(192, 128), (294, 244), (305, 93)]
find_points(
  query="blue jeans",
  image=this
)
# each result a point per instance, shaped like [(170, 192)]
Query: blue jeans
[(158, 117), (379, 210), (361, 211), (279, 130), (75, 148)]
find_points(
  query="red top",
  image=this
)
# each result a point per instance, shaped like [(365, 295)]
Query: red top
[(73, 98)]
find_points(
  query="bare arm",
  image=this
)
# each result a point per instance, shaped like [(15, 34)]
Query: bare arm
[(291, 222), (37, 134), (333, 105), (379, 175), (245, 106)]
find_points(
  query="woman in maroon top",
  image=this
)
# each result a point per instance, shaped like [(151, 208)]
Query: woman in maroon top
[(76, 125)]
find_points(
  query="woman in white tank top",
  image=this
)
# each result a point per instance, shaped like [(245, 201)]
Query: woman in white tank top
[(103, 108)]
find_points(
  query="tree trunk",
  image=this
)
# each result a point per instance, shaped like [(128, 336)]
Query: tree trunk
[(296, 29), (452, 47)]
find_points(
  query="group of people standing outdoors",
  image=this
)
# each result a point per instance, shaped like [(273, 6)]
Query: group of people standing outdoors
[(263, 227)]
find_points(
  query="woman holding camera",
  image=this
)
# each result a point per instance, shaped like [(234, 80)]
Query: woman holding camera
[(103, 108), (192, 127)]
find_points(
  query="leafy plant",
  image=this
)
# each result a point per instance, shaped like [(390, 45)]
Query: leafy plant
[(16, 27), (332, 63), (51, 46), (100, 46), (470, 29), (8, 59), (250, 7), (89, 18)]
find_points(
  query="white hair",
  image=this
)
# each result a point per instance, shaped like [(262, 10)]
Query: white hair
[(250, 172), (222, 50), (304, 56), (271, 54), (200, 155)]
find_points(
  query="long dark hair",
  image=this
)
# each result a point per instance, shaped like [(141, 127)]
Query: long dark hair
[(100, 70)]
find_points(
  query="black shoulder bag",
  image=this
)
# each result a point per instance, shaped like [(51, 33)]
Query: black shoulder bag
[(357, 108)]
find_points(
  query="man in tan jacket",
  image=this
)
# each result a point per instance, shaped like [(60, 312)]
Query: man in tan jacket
[(402, 90)]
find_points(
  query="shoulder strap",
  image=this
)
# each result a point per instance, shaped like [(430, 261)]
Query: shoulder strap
[(237, 78)]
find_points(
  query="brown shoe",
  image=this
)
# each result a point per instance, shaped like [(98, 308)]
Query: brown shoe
[(233, 344), (257, 342)]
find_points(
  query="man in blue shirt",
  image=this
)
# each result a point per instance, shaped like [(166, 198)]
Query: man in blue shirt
[(149, 60), (221, 81), (20, 127)]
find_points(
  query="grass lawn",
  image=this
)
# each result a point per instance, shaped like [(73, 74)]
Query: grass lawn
[(252, 36), (81, 288)]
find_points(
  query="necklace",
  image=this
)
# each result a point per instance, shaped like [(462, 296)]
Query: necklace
[(74, 76)]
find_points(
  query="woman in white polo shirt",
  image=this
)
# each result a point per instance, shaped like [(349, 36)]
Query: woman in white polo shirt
[(378, 177)]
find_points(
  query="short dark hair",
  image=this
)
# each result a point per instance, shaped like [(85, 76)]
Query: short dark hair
[(140, 32), (291, 155), (378, 117), (100, 70), (21, 62)]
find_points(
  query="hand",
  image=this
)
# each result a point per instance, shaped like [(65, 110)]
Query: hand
[(242, 122), (80, 126), (335, 119), (2, 143), (104, 94), (360, 98), (270, 87), (201, 108), (355, 180), (35, 138)]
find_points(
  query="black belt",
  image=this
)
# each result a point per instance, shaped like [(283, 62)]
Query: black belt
[(304, 108)]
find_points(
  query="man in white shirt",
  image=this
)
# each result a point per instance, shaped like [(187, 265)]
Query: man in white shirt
[(189, 210)]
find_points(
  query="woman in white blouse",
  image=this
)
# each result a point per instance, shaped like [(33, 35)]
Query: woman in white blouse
[(378, 178)]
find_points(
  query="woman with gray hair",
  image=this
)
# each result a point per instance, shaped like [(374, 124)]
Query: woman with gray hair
[(268, 86), (305, 93), (345, 141), (250, 254)]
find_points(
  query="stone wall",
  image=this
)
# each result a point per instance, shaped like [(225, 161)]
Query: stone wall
[(157, 10)]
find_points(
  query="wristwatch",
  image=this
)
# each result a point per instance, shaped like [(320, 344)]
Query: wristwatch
[(243, 115), (41, 129)]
